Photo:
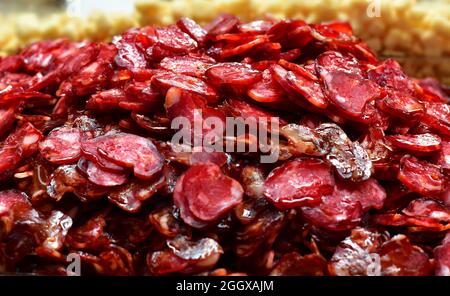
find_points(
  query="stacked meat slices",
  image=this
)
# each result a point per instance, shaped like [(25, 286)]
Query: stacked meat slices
[(359, 185)]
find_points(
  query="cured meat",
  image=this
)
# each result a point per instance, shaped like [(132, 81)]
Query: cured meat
[(299, 182), (357, 255), (164, 81), (89, 150), (232, 73), (420, 176), (7, 118), (349, 159), (432, 90), (130, 196), (419, 143), (390, 74), (173, 39), (441, 253), (188, 156), (339, 211), (437, 116), (150, 155), (266, 90), (254, 114), (428, 208), (401, 105), (187, 65), (399, 257), (204, 194), (19, 145), (14, 206), (184, 255), (193, 29), (309, 89), (292, 264), (101, 177), (444, 156), (67, 179), (348, 91), (132, 151), (62, 145)]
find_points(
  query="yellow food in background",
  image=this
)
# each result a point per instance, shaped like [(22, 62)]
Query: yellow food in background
[(404, 27)]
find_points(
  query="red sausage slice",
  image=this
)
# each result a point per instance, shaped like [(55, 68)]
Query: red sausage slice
[(232, 73), (62, 145), (132, 151), (193, 29), (299, 182), (338, 211), (99, 176), (203, 194), (420, 143), (164, 81), (89, 150), (420, 176), (187, 65)]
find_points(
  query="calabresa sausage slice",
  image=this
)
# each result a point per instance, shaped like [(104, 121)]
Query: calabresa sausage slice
[(232, 73), (62, 145), (89, 149), (131, 151), (21, 144), (204, 194), (420, 176), (99, 176), (299, 182), (416, 143), (338, 211)]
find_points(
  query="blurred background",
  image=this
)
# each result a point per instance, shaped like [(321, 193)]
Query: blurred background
[(416, 32)]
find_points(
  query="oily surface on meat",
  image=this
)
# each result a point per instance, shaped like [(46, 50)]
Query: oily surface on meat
[(359, 184)]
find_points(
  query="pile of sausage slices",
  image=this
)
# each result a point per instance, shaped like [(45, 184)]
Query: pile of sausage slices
[(360, 183)]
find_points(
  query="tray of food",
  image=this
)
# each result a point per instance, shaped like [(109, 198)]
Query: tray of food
[(238, 142)]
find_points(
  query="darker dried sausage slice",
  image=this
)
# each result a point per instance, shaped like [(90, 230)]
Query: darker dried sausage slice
[(67, 178), (129, 197), (442, 256), (14, 205), (428, 208), (401, 258)]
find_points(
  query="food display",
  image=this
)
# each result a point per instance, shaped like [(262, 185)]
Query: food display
[(89, 166)]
